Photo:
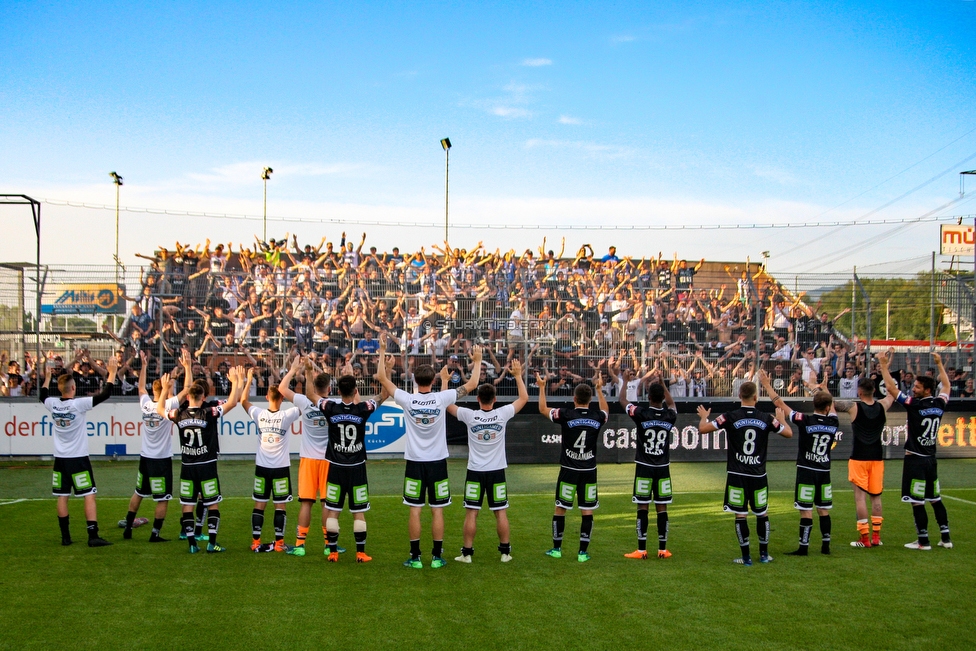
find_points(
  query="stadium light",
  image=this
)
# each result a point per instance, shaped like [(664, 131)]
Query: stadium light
[(117, 180), (446, 144), (265, 176)]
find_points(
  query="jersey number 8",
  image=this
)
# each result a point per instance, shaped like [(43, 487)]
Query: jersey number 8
[(749, 445)]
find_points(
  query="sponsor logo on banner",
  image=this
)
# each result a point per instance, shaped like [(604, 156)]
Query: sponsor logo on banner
[(957, 239), (88, 298)]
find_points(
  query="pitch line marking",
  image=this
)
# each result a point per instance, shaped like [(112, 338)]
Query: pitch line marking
[(959, 499)]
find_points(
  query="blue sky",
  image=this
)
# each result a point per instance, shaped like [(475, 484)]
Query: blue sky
[(560, 113)]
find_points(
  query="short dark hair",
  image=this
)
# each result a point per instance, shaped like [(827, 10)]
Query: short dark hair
[(196, 391), (582, 394), (747, 391), (928, 383), (822, 400), (424, 375), (347, 386), (656, 393), (273, 394), (486, 393), (866, 385)]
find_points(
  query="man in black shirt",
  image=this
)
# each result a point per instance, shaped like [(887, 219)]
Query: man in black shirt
[(747, 434)]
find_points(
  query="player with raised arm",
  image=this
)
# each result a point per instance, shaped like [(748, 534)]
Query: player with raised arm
[(865, 468), (425, 477), (487, 462), (198, 432), (313, 469), (272, 463), (652, 471), (72, 466), (577, 461), (920, 474), (155, 478), (746, 486), (346, 454), (817, 435)]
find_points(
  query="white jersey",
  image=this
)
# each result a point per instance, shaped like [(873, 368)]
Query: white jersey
[(274, 427), (315, 429), (486, 436), (70, 426), (632, 387), (847, 387), (156, 430), (678, 388), (424, 418)]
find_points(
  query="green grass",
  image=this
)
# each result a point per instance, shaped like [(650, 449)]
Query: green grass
[(157, 596)]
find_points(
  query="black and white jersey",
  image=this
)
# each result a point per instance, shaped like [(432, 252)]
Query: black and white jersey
[(198, 432), (924, 419), (347, 430), (867, 427), (653, 433), (747, 431), (816, 434), (581, 429)]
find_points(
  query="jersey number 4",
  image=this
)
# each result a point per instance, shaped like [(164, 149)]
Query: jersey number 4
[(581, 443)]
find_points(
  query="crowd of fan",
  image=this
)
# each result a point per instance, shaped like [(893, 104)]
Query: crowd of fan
[(598, 319)]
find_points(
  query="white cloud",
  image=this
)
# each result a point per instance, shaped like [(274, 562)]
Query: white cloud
[(594, 149), (566, 119), (775, 174), (510, 112), (535, 63), (623, 38), (247, 172)]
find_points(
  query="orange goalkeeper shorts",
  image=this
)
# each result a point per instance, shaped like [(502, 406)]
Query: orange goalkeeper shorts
[(866, 475), (313, 474)]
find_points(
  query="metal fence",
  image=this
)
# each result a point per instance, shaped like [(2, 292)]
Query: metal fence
[(704, 333)]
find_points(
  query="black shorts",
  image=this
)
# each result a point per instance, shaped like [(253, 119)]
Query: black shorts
[(580, 484), (347, 481), (743, 492), (272, 484), (919, 480), (155, 479), (812, 490), (73, 473), (426, 479), (479, 483), (652, 484), (199, 479)]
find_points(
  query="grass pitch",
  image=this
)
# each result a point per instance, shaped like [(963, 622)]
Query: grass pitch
[(137, 595)]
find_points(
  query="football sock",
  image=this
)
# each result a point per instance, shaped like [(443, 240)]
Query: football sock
[(201, 519), (662, 530), (333, 539), (467, 551), (942, 518), (876, 521), (257, 523), (824, 534), (558, 525), (129, 519), (186, 521), (157, 527), (359, 533), (213, 523), (504, 548), (65, 532), (806, 526), (325, 534), (642, 529), (586, 528), (864, 528), (438, 548), (301, 535), (742, 533), (415, 548), (921, 523), (762, 531), (92, 529), (279, 524)]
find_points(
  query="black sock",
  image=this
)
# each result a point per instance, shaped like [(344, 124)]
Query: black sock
[(157, 527), (92, 529), (825, 534), (742, 533), (467, 551), (762, 532), (415, 549), (586, 528), (503, 548), (65, 532), (641, 529), (921, 523), (332, 537), (129, 518), (360, 537), (942, 518), (662, 530), (213, 523), (186, 521), (558, 525), (201, 510), (806, 526), (279, 524), (257, 523), (438, 548)]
